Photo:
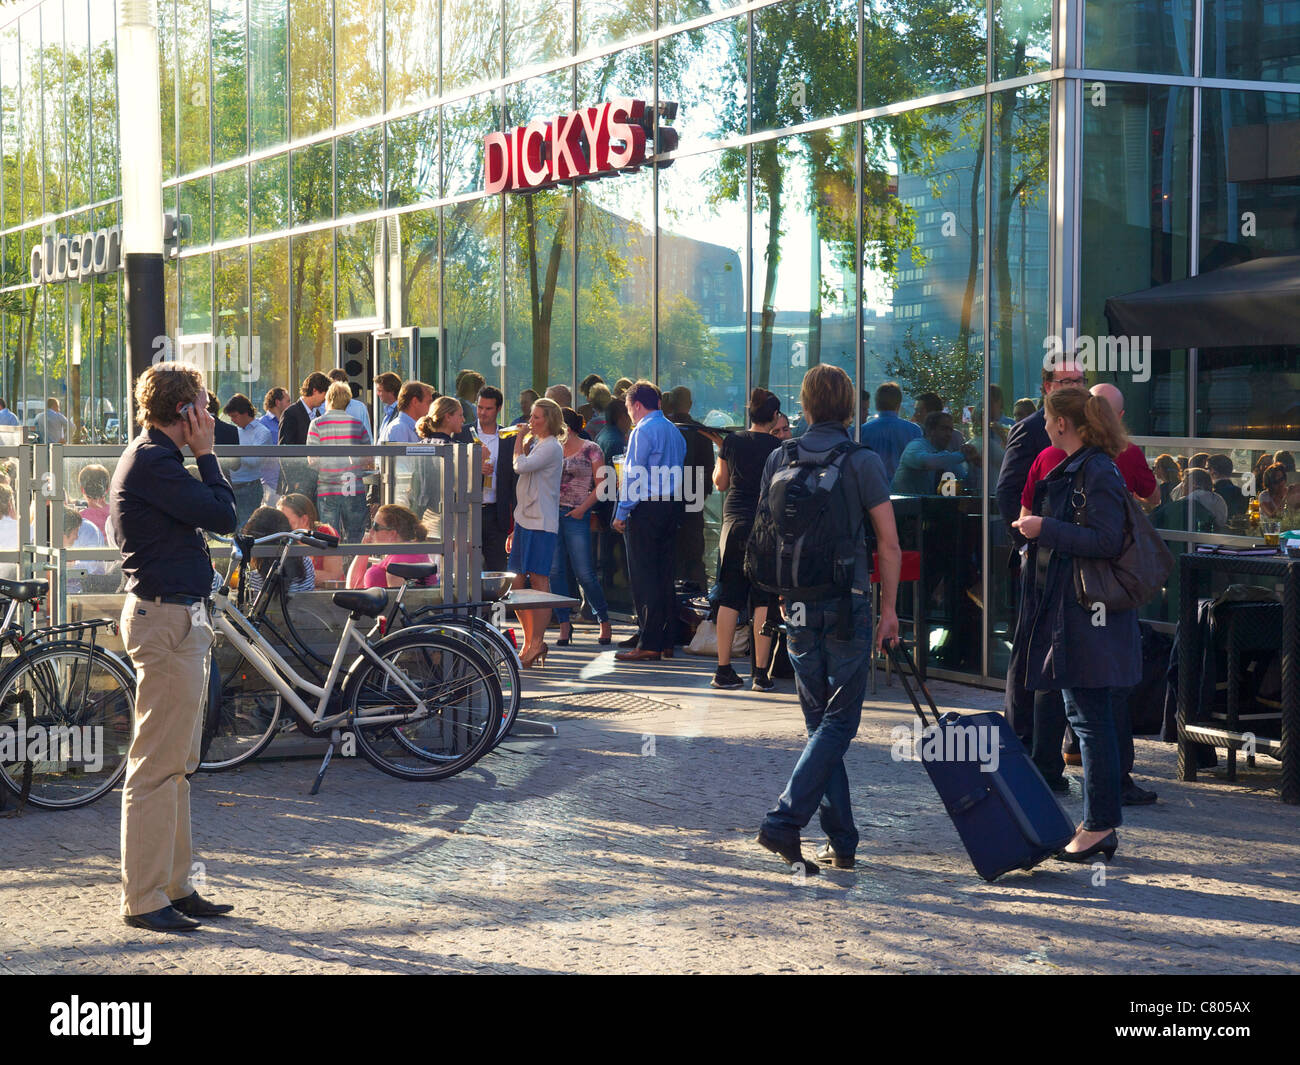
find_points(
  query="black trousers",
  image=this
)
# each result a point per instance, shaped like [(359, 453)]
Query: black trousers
[(690, 549), (494, 540), (651, 537)]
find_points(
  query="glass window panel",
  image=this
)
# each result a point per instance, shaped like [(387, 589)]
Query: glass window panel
[(270, 318), (412, 51), (537, 31), (1248, 392), (231, 364), (10, 127), (464, 125), (1250, 192), (1151, 37), (471, 42), (172, 296), (311, 53), (805, 62), (539, 291), (196, 295), (1022, 37), (167, 85), (110, 371), (704, 72), (32, 122), (1135, 216), (230, 203), (603, 22), (311, 303), (1256, 40), (359, 31), (313, 183), (192, 83), (359, 166), (804, 295), (76, 31), (268, 38), (270, 201), (911, 50), (542, 97), (419, 233), (355, 244), (413, 158), (195, 202), (701, 326), (52, 56), (472, 288), (103, 98), (229, 80)]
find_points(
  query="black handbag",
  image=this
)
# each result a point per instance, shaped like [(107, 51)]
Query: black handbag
[(1136, 575)]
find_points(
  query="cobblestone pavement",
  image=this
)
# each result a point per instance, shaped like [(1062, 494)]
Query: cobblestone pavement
[(625, 844)]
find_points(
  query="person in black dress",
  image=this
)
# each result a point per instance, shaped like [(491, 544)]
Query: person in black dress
[(739, 472)]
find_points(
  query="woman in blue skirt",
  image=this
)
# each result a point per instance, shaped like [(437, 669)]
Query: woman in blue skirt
[(539, 462)]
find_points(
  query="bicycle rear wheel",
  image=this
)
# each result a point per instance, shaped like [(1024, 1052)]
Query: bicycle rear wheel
[(449, 717), (66, 707)]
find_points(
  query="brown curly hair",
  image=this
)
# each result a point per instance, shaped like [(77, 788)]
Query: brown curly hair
[(162, 388)]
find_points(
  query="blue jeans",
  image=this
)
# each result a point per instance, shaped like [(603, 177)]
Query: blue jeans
[(831, 678), (346, 513), (1091, 712), (573, 555)]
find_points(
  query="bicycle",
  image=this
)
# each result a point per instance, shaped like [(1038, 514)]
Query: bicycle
[(419, 705), (66, 707)]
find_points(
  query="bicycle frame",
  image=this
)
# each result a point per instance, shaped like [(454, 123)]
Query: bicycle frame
[(227, 619)]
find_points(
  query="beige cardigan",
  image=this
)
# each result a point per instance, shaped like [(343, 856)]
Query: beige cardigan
[(537, 492)]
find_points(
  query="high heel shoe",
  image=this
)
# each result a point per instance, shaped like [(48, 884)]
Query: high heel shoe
[(530, 661), (563, 641), (606, 634), (1105, 846)]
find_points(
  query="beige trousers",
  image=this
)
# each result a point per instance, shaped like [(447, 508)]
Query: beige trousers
[(169, 645)]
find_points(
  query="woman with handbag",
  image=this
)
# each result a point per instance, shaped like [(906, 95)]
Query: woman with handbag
[(580, 490), (1090, 654)]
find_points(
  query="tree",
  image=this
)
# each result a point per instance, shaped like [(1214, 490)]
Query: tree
[(946, 367)]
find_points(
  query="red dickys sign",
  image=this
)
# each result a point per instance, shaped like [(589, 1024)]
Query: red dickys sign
[(583, 144)]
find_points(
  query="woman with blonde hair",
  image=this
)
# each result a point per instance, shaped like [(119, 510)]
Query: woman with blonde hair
[(1079, 511), (539, 462)]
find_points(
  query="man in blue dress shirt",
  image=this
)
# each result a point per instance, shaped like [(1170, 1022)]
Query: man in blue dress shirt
[(888, 433), (648, 513)]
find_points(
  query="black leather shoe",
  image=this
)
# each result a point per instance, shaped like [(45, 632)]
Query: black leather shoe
[(632, 641), (1132, 795), (1061, 785), (1106, 847), (827, 856), (791, 852), (196, 905), (168, 919)]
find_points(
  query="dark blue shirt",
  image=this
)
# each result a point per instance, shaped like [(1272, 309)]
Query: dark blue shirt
[(157, 508)]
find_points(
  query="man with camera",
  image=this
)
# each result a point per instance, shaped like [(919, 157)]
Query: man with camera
[(159, 511)]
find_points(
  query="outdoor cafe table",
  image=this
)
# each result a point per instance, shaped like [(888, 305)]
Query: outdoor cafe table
[(1194, 571)]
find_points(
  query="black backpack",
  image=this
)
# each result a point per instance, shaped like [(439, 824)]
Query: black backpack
[(804, 543)]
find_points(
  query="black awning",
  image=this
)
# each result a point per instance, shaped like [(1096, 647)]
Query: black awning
[(1250, 304)]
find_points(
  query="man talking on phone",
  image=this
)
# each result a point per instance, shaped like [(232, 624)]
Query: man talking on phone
[(159, 509)]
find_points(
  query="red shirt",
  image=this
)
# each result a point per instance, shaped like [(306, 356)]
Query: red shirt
[(1132, 463)]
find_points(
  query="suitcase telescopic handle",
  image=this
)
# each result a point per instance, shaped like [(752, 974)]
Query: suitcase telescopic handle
[(903, 660)]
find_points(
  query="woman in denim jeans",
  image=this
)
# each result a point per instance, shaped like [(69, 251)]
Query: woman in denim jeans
[(584, 473), (1089, 654)]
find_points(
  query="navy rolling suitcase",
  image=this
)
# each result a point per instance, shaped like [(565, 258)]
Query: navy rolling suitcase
[(1004, 811)]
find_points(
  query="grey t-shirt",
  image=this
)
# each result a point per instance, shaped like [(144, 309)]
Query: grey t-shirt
[(865, 484)]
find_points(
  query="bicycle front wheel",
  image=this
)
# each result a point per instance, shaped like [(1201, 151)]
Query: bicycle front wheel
[(66, 708), (242, 714), (429, 709)]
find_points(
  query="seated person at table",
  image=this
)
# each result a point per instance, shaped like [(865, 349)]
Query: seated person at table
[(301, 512), (265, 521), (926, 459), (393, 524)]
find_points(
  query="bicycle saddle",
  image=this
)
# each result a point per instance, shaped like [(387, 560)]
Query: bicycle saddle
[(22, 591), (368, 602), (413, 571)]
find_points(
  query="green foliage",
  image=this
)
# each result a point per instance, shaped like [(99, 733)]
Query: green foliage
[(949, 368)]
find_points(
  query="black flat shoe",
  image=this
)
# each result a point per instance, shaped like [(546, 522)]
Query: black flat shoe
[(1133, 795), (790, 852), (196, 905), (1105, 846), (827, 856), (168, 919)]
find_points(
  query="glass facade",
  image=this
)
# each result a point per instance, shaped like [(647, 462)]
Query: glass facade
[(913, 191)]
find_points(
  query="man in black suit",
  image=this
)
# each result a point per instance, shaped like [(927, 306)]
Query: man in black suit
[(689, 548), (223, 432), (499, 478), (1027, 440), (1220, 467), (296, 475)]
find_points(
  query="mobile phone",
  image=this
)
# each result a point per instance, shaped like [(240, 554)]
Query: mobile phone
[(185, 410)]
